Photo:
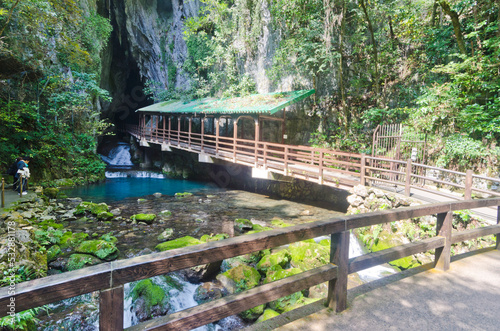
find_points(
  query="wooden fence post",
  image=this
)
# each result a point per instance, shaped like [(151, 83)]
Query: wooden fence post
[(443, 229), (468, 185), (339, 255), (498, 234), (111, 309), (21, 185), (321, 168), (408, 178), (285, 157), (362, 170), (3, 193)]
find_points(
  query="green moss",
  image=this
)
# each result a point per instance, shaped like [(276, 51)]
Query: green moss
[(213, 237), (151, 293), (274, 274), (105, 216), (280, 258), (146, 218), (178, 243), (100, 248), (109, 238), (242, 224), (51, 192), (183, 194), (70, 239), (93, 208), (244, 276), (300, 303), (50, 224), (306, 256), (253, 313), (280, 224), (78, 261), (282, 304), (53, 252), (268, 314), (48, 237), (326, 242)]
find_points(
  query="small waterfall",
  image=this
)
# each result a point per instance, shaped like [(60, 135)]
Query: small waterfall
[(137, 174), (370, 274), (119, 156)]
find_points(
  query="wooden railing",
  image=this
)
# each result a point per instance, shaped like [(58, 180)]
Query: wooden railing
[(323, 166), (109, 278)]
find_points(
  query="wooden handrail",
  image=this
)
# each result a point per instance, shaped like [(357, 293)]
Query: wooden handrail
[(110, 277)]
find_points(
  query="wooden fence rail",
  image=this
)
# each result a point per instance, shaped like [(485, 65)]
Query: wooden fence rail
[(323, 166), (109, 278)]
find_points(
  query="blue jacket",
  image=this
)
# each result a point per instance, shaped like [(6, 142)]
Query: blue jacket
[(21, 165)]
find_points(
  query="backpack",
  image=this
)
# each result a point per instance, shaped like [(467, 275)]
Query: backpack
[(12, 169)]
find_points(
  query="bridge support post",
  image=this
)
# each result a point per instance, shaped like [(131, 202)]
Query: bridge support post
[(443, 229), (111, 309), (339, 255)]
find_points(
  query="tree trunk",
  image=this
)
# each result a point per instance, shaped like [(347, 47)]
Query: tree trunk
[(375, 51), (341, 69), (456, 25), (434, 12)]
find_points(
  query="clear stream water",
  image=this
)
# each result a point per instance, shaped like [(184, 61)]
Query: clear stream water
[(124, 185)]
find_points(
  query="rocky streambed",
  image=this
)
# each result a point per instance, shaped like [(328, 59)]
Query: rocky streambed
[(55, 235)]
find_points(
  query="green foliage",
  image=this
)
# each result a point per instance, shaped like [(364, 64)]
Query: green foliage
[(462, 150)]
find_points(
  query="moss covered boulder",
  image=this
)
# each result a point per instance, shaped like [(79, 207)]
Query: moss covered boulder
[(72, 240), (100, 248), (280, 224), (280, 305), (183, 194), (308, 255), (280, 258), (78, 261), (166, 234), (213, 237), (277, 273), (178, 243), (268, 314), (242, 224), (105, 216), (51, 192), (253, 313), (53, 252), (93, 208), (149, 300), (240, 278), (146, 218)]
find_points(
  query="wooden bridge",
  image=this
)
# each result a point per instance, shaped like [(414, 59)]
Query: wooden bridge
[(318, 165), (109, 278)]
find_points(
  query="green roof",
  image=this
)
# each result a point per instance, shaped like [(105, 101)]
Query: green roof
[(269, 103)]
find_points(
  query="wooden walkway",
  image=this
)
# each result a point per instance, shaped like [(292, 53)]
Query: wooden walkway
[(323, 166)]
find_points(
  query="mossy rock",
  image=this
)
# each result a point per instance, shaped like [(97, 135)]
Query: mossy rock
[(166, 234), (183, 194), (242, 224), (51, 192), (165, 214), (105, 216), (307, 255), (178, 243), (48, 237), (93, 208), (245, 277), (268, 314), (50, 224), (152, 293), (403, 263), (102, 249), (149, 300), (78, 261), (109, 238), (253, 313), (256, 228), (146, 218), (280, 224), (280, 305), (300, 303), (213, 237), (53, 252), (280, 258), (70, 239), (277, 273)]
